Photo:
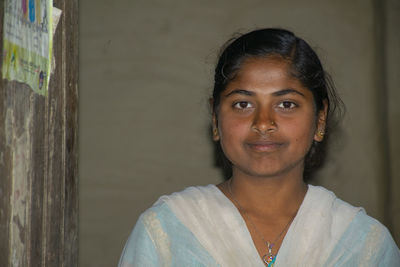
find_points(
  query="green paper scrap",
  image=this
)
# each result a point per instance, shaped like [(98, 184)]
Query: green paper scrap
[(28, 42)]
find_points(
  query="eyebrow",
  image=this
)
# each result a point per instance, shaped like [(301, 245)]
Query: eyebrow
[(277, 93), (240, 92), (287, 91)]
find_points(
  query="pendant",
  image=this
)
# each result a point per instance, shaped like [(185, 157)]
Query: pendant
[(269, 258)]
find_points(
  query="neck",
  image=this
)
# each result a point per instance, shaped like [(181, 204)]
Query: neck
[(273, 196)]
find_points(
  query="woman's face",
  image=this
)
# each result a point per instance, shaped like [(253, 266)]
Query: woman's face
[(267, 119)]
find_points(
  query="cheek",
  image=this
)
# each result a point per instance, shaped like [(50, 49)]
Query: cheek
[(231, 129), (302, 132)]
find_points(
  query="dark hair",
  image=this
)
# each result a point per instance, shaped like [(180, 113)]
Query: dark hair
[(304, 65)]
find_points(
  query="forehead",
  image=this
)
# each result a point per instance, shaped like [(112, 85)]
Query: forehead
[(265, 68), (271, 72)]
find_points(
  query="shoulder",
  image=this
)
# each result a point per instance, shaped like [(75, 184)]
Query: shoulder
[(369, 243), (364, 240), (162, 237), (327, 197), (327, 206), (338, 209), (370, 232), (163, 211), (192, 193)]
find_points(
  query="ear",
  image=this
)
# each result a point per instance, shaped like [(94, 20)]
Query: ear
[(215, 132), (321, 123)]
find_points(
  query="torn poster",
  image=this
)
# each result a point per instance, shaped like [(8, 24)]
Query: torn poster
[(27, 42)]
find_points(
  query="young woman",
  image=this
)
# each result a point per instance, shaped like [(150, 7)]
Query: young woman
[(272, 110)]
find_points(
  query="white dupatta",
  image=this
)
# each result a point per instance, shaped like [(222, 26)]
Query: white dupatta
[(319, 224), (218, 226)]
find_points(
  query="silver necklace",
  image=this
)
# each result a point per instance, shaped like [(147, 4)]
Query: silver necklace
[(268, 258)]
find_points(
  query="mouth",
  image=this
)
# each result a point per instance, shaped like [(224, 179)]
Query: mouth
[(264, 146)]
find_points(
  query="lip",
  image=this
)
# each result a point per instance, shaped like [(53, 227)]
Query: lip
[(264, 146)]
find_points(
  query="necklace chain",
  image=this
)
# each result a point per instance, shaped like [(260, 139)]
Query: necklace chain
[(268, 258)]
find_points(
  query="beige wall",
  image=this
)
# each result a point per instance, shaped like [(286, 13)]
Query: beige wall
[(392, 78), (145, 77)]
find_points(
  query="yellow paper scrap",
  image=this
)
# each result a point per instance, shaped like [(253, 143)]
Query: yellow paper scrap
[(27, 42)]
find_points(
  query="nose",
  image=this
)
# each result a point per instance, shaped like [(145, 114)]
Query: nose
[(264, 121)]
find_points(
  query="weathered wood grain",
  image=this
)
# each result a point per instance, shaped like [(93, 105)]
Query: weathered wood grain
[(38, 159)]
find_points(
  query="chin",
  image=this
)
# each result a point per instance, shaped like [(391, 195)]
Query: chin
[(261, 172), (270, 171)]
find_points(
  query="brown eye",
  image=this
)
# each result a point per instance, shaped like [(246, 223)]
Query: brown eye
[(242, 105), (287, 105)]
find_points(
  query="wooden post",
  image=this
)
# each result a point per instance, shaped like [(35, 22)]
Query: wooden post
[(38, 159)]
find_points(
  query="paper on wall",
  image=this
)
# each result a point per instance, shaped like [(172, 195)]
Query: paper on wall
[(27, 42), (56, 18)]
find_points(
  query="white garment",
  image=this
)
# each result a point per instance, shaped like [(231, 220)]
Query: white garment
[(200, 226)]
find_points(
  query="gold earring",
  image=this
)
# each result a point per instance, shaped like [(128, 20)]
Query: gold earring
[(215, 131), (320, 133)]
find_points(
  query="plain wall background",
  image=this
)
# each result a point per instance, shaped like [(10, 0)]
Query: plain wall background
[(146, 71)]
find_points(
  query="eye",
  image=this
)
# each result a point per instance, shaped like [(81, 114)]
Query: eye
[(242, 105), (287, 105)]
